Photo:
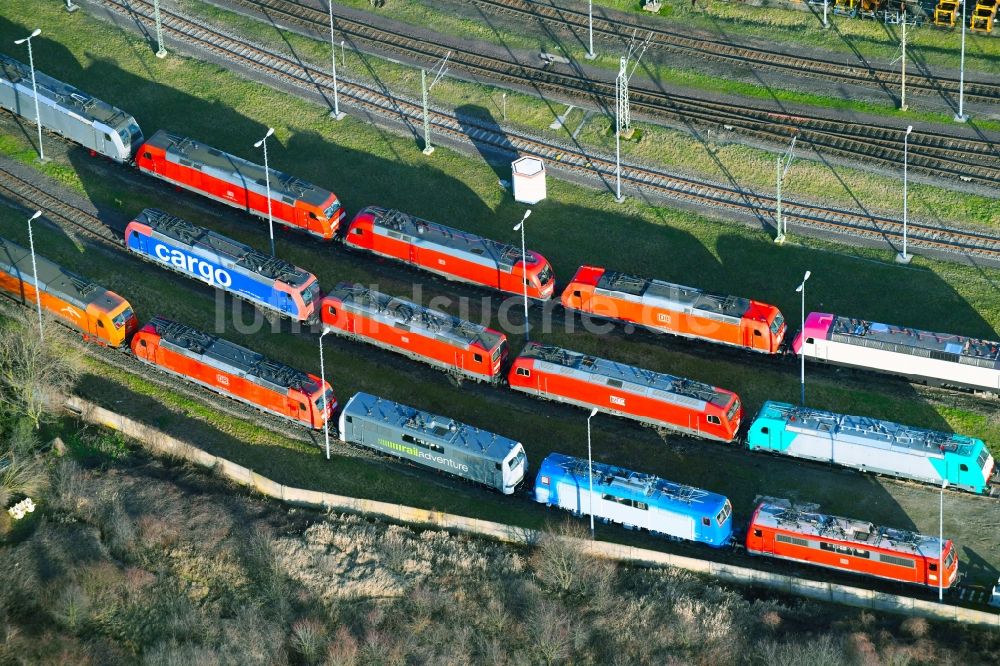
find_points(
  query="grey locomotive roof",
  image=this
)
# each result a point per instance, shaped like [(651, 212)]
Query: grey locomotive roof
[(55, 279), (432, 232), (626, 483), (67, 96), (238, 170), (638, 377), (942, 346), (860, 532), (231, 357), (431, 322), (873, 432), (242, 255), (429, 426), (672, 296)]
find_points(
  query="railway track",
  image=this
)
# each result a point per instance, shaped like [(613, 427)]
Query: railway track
[(30, 195), (869, 227), (757, 58), (932, 153)]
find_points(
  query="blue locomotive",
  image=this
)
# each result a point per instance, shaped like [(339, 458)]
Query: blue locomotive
[(269, 283), (872, 445), (65, 110), (636, 500)]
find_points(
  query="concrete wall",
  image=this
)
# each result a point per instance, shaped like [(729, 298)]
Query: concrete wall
[(165, 445)]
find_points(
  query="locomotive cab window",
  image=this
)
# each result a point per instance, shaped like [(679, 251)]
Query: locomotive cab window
[(332, 310), (764, 430), (714, 419), (757, 533), (302, 406), (964, 467), (524, 372), (147, 155), (932, 566), (809, 341), (100, 324), (576, 294), (757, 333), (313, 215), (478, 357), (142, 343), (357, 231), (707, 522)]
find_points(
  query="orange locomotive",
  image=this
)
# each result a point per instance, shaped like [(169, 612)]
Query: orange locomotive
[(452, 253), (234, 371), (102, 315), (433, 337), (780, 530), (671, 308), (651, 397), (237, 182)]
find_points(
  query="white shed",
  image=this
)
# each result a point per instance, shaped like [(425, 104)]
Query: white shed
[(529, 180)]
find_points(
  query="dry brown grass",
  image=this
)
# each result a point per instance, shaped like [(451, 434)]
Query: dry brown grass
[(159, 566)]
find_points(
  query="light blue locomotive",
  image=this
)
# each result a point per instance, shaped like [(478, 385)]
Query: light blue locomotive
[(872, 445), (433, 441), (269, 283), (67, 111), (635, 500)]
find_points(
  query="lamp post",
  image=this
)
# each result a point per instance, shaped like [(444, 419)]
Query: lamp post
[(322, 378), (590, 472), (944, 484), (34, 89), (34, 273), (267, 184), (802, 344), (160, 51), (903, 257), (524, 269), (336, 115), (590, 31), (826, 5), (902, 95), (960, 116), (70, 7)]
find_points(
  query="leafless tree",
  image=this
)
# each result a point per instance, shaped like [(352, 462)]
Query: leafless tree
[(35, 373)]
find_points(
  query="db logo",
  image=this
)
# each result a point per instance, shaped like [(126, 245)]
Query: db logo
[(615, 400), (404, 339), (222, 379), (663, 318), (441, 261), (230, 194)]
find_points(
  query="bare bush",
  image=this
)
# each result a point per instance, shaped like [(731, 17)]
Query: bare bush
[(68, 490), (825, 650), (916, 627), (36, 372), (308, 638), (264, 567), (562, 564), (343, 649), (117, 528), (551, 632)]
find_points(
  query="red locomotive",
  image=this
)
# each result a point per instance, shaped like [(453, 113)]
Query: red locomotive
[(100, 314), (234, 371), (239, 183), (662, 400), (454, 254), (671, 308), (433, 337), (791, 533)]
